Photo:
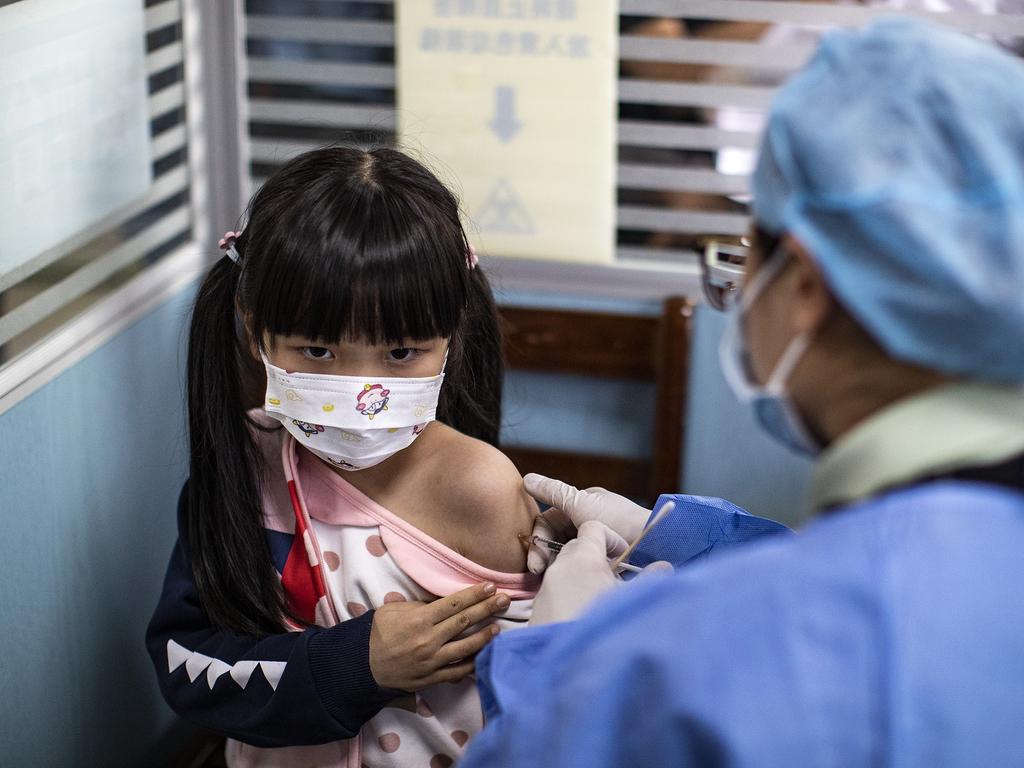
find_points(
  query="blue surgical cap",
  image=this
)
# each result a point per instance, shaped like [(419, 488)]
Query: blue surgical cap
[(897, 158)]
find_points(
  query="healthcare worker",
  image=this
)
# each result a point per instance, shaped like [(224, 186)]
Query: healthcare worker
[(880, 327)]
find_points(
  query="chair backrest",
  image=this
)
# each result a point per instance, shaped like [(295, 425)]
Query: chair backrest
[(633, 347)]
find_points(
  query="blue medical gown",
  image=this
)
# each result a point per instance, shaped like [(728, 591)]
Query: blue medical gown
[(888, 633)]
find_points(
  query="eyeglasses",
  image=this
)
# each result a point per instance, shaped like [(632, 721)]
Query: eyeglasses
[(722, 270)]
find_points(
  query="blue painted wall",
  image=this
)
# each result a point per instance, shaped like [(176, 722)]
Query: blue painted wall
[(90, 468)]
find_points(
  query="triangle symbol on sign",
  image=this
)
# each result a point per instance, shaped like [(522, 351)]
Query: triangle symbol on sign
[(504, 212)]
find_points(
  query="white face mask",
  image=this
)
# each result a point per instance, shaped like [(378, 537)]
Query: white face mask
[(352, 422), (772, 405)]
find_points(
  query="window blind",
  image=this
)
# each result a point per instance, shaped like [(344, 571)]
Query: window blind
[(695, 79), (41, 295)]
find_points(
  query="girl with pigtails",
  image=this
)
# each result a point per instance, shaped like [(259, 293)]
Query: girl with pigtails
[(349, 543)]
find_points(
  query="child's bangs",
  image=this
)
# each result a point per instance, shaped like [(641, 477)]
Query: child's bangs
[(383, 299), (356, 246)]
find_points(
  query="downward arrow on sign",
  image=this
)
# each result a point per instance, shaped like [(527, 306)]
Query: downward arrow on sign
[(505, 125)]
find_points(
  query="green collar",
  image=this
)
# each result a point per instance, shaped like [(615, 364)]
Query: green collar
[(949, 427)]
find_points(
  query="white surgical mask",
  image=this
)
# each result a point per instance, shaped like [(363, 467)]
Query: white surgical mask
[(772, 405), (350, 421)]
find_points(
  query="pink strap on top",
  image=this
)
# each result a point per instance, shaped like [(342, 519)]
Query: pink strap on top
[(315, 595), (434, 566)]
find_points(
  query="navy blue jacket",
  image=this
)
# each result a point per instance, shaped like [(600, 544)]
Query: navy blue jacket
[(308, 687)]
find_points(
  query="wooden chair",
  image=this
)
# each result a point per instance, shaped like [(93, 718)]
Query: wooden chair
[(639, 348)]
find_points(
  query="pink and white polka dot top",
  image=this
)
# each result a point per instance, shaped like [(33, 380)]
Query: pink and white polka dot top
[(362, 556)]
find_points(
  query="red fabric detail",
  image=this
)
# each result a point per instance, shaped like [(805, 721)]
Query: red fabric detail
[(303, 584)]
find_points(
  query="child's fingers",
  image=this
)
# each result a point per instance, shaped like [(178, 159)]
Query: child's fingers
[(450, 674), (455, 625), (467, 647), (446, 607)]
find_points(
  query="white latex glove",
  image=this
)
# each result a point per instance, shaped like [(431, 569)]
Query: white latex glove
[(581, 573), (571, 508)]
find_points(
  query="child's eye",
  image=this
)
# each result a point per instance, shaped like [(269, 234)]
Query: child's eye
[(317, 353), (402, 354)]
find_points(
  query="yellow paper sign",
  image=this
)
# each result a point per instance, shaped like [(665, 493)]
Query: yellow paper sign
[(513, 103)]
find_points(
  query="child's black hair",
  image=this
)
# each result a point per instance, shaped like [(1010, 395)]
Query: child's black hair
[(341, 242)]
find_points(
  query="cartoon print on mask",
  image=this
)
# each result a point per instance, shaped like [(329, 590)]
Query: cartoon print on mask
[(372, 400), (309, 429), (341, 463), (419, 428)]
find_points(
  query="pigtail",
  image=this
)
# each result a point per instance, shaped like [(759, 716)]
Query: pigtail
[(471, 398), (230, 557)]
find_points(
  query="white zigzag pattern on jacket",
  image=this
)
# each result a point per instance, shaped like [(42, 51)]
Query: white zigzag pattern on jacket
[(195, 663)]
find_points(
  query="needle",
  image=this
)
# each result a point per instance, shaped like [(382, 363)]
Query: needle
[(556, 546)]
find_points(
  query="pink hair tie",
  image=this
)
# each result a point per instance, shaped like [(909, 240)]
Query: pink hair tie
[(227, 244), (471, 258)]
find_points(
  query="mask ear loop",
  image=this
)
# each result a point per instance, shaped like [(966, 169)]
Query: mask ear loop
[(775, 264), (776, 383), (444, 365), (796, 348), (737, 368)]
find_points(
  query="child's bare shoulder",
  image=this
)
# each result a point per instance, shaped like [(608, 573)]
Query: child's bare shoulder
[(478, 469), (484, 496)]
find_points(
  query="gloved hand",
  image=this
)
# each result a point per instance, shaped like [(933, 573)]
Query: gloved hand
[(581, 572), (571, 508)]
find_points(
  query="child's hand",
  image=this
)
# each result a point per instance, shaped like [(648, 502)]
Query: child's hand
[(413, 645)]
